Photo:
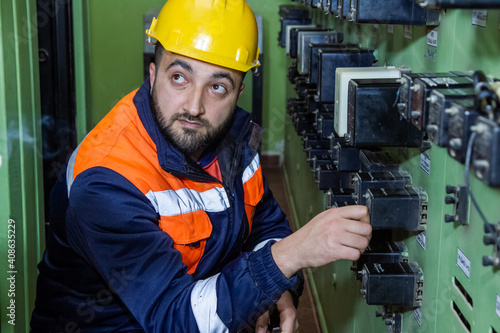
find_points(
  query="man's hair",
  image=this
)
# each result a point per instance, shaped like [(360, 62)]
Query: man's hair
[(158, 54)]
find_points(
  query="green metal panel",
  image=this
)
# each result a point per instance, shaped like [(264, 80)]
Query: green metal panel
[(461, 46), (273, 112), (21, 187), (82, 68)]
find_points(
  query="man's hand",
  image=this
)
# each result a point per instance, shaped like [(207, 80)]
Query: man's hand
[(337, 233), (288, 316)]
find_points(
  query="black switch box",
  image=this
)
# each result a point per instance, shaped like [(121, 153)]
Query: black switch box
[(397, 208), (303, 122), (407, 87), (291, 15), (294, 105), (440, 111), (421, 91), (345, 158), (325, 125), (315, 49), (294, 39), (373, 117), (381, 252), (377, 161), (486, 151), (361, 182), (398, 284), (405, 12), (459, 129), (318, 161), (311, 139), (329, 177), (342, 195), (303, 89), (330, 60), (293, 12)]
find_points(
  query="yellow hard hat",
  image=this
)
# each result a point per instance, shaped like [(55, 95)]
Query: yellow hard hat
[(220, 32)]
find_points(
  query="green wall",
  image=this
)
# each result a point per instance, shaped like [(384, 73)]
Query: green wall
[(21, 189), (116, 44), (461, 46)]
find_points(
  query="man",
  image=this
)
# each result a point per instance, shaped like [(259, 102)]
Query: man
[(163, 221)]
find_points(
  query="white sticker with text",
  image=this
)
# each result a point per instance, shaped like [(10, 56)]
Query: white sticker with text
[(390, 28), (432, 38), (479, 17), (408, 31), (421, 240), (463, 262), (417, 313), (425, 163), (498, 305)]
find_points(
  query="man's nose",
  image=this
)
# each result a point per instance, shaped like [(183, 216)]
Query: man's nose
[(194, 102)]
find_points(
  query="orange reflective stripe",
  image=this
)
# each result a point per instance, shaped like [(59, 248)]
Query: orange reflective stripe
[(253, 186)]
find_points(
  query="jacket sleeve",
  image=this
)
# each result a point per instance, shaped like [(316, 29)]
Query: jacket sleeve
[(270, 224), (114, 227)]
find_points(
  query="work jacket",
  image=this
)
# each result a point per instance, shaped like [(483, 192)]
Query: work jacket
[(144, 240)]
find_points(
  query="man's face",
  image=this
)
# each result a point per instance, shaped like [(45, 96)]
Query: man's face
[(192, 101)]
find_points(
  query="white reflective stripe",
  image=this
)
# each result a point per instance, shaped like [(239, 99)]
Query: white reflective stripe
[(170, 202), (251, 169), (204, 306), (70, 169), (262, 244)]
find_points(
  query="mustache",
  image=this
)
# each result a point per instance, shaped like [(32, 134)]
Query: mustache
[(186, 116)]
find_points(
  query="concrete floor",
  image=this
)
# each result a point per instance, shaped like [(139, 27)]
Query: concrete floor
[(307, 318)]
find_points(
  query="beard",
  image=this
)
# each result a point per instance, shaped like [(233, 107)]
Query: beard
[(188, 140)]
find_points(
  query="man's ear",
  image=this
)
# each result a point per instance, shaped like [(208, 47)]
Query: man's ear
[(242, 87), (152, 75)]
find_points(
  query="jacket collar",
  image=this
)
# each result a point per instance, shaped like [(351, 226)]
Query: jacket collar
[(171, 159)]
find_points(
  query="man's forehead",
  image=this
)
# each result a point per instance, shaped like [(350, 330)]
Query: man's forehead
[(170, 57)]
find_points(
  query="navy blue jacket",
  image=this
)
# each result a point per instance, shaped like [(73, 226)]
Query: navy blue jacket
[(142, 239)]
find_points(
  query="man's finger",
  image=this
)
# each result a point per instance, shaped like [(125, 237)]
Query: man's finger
[(262, 323)]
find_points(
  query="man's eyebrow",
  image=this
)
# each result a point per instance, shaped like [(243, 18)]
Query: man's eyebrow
[(223, 75), (183, 64)]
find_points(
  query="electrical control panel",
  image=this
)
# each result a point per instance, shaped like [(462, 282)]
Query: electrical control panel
[(414, 148)]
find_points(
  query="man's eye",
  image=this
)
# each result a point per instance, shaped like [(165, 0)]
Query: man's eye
[(219, 88), (177, 78)]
